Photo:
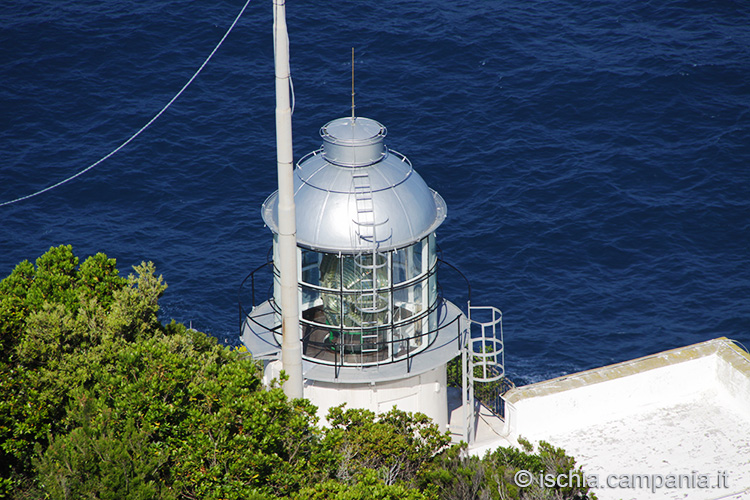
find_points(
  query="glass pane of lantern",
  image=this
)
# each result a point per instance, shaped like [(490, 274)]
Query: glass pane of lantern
[(330, 272), (311, 266), (433, 299), (407, 301), (331, 308), (432, 294), (419, 338), (310, 298), (433, 252), (359, 272), (416, 267), (364, 309), (400, 338), (407, 262), (408, 339), (400, 263)]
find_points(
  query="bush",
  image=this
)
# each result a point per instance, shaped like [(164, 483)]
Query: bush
[(102, 400)]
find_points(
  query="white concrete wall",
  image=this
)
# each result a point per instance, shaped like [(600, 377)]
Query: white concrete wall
[(425, 393), (733, 375)]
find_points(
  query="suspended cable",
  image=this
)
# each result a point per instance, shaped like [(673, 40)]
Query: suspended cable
[(152, 120)]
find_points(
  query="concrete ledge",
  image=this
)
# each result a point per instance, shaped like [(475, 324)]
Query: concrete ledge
[(728, 350)]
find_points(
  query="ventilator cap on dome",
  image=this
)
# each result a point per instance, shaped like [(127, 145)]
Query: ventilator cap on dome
[(353, 142)]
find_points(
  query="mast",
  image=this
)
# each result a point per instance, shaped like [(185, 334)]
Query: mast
[(291, 349), (352, 84)]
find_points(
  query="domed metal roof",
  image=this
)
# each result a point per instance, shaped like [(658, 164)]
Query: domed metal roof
[(354, 193)]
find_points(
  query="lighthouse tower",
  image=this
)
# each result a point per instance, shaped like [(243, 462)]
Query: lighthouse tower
[(374, 328)]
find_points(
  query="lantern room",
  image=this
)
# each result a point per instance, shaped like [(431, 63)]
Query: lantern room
[(365, 222)]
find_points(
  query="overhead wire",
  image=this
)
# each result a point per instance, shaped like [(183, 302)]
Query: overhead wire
[(139, 131)]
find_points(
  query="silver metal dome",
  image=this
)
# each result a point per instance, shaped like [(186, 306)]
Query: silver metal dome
[(355, 193)]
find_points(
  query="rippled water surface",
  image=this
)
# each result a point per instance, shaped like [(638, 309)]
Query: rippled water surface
[(594, 155)]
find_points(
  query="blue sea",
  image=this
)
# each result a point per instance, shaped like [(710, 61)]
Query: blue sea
[(594, 155)]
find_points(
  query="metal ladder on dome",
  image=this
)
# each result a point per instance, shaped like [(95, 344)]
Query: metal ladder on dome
[(370, 262)]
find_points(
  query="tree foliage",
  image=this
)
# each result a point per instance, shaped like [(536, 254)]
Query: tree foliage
[(396, 444), (101, 400), (46, 313), (455, 475)]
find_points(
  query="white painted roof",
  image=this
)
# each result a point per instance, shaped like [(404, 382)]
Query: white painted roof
[(681, 412)]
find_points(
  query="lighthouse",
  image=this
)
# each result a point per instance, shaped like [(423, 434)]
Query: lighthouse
[(354, 314), (374, 328)]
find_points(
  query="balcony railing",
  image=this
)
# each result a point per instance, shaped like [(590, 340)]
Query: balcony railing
[(407, 334)]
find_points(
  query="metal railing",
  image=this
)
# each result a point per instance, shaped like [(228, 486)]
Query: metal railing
[(401, 348), (244, 314)]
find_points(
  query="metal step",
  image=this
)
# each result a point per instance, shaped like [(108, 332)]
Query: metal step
[(369, 302)]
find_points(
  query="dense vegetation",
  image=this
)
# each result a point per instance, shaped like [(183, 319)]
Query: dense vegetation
[(101, 400)]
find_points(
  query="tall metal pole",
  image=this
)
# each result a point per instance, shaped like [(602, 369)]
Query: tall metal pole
[(291, 348)]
